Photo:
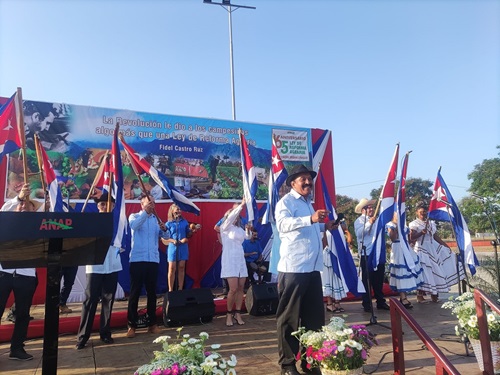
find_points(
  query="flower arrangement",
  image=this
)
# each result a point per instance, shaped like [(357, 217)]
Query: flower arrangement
[(336, 347), (464, 308), (187, 356)]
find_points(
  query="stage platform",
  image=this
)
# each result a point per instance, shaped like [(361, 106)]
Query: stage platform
[(254, 344)]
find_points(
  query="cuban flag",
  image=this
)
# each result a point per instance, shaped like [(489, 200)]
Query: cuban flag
[(401, 214), (55, 195), (386, 201), (443, 208), (10, 137), (342, 263), (142, 165), (250, 183), (277, 177), (120, 222), (103, 176)]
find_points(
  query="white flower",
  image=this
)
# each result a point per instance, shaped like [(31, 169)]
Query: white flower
[(161, 339), (204, 335), (215, 346), (341, 348), (491, 317), (193, 341), (232, 361), (186, 336), (184, 343), (231, 371)]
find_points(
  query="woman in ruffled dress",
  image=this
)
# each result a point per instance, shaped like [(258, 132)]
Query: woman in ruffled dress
[(334, 286), (438, 262), (404, 266)]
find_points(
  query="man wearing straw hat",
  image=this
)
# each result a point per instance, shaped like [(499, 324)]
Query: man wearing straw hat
[(364, 235), (301, 260)]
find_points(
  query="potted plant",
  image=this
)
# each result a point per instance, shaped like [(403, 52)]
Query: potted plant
[(464, 308), (337, 348), (187, 356)]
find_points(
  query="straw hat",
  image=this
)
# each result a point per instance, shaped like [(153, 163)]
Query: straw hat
[(362, 204)]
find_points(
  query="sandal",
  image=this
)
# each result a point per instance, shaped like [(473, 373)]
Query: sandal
[(421, 299), (338, 308), (238, 319), (406, 304), (435, 298), (229, 322), (329, 307)]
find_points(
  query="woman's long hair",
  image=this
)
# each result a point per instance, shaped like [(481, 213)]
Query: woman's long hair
[(170, 216)]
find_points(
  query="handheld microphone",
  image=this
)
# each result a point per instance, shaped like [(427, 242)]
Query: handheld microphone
[(339, 218)]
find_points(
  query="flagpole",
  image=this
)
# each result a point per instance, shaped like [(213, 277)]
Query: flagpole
[(97, 176), (39, 159), (40, 168), (20, 129)]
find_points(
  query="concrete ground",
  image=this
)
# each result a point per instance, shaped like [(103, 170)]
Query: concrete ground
[(254, 344)]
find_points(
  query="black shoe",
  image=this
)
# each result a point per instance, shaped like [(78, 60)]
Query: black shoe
[(289, 371), (367, 309), (80, 346), (309, 371), (107, 340), (20, 355), (383, 306)]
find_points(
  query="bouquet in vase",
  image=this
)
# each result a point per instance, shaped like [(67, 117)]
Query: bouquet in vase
[(336, 347), (187, 356)]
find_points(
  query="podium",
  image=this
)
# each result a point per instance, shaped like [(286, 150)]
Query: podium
[(53, 240)]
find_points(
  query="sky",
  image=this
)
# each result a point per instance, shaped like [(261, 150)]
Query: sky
[(425, 74)]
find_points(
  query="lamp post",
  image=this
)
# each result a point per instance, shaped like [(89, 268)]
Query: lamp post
[(230, 8)]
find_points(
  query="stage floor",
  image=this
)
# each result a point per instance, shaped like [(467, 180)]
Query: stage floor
[(254, 344)]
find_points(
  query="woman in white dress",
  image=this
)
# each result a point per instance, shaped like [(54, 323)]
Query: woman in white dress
[(233, 265), (436, 258), (404, 267), (334, 287)]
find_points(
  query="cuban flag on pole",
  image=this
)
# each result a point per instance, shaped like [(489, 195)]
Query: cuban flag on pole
[(277, 177), (342, 264), (386, 206), (142, 165), (250, 184), (55, 195), (401, 214), (10, 138), (102, 176), (443, 208), (120, 222)]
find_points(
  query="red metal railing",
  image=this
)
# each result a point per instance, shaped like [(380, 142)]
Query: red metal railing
[(398, 311), (480, 298)]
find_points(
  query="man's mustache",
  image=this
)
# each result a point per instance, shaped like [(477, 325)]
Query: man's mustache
[(307, 185)]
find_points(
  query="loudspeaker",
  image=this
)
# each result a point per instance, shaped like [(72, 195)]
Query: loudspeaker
[(262, 299), (188, 306)]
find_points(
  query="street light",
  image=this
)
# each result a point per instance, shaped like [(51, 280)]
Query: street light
[(230, 8)]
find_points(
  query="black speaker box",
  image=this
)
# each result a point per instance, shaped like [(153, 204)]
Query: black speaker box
[(262, 299), (188, 306)]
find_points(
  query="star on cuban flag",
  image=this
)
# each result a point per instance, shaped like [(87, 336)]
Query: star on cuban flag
[(10, 139)]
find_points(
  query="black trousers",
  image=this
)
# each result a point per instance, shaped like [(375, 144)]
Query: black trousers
[(376, 282), (23, 288), (69, 275), (99, 286), (300, 303), (142, 273)]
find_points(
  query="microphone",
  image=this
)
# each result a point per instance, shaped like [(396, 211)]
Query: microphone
[(340, 217)]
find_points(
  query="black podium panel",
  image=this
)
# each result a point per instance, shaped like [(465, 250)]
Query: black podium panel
[(188, 306), (25, 238), (262, 299)]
